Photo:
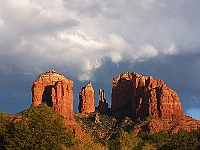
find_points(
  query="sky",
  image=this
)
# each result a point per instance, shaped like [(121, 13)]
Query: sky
[(96, 41)]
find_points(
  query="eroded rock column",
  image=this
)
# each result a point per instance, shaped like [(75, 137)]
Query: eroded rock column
[(103, 106), (86, 99)]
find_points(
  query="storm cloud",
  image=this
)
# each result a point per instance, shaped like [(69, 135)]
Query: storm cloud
[(97, 40)]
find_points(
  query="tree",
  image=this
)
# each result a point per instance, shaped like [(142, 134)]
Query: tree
[(159, 139), (183, 140), (4, 121), (39, 128), (125, 141), (148, 146), (88, 143), (196, 133)]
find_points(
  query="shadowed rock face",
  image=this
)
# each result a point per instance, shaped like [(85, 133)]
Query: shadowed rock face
[(147, 97), (55, 90), (103, 106), (86, 99)]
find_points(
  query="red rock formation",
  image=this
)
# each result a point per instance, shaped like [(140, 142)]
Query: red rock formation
[(55, 90), (149, 98), (122, 90), (86, 99), (103, 106)]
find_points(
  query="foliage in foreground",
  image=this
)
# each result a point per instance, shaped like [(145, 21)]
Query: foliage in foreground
[(41, 128), (120, 137), (4, 122), (88, 143)]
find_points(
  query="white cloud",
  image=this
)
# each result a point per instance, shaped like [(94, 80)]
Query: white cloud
[(63, 33), (80, 38), (116, 42), (87, 69), (1, 23), (21, 3), (145, 52), (115, 57), (170, 50), (146, 4)]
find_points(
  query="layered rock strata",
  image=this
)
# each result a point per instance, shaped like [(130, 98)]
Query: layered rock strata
[(86, 99), (55, 90)]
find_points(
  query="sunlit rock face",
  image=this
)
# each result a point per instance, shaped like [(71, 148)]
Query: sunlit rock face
[(86, 99), (55, 90), (146, 97)]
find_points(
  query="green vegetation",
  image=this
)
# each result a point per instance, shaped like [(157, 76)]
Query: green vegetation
[(117, 135), (101, 125), (41, 128), (88, 143), (125, 141), (182, 140), (4, 123)]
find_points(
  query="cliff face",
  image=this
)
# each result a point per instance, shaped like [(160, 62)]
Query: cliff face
[(55, 90), (86, 99), (148, 97), (141, 97)]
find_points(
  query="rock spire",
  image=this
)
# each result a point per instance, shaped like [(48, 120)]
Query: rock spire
[(86, 99), (103, 105)]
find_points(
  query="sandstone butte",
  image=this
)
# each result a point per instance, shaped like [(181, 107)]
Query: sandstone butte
[(143, 98), (56, 91), (148, 102)]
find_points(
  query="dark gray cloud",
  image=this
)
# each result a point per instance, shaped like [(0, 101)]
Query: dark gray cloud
[(96, 41)]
